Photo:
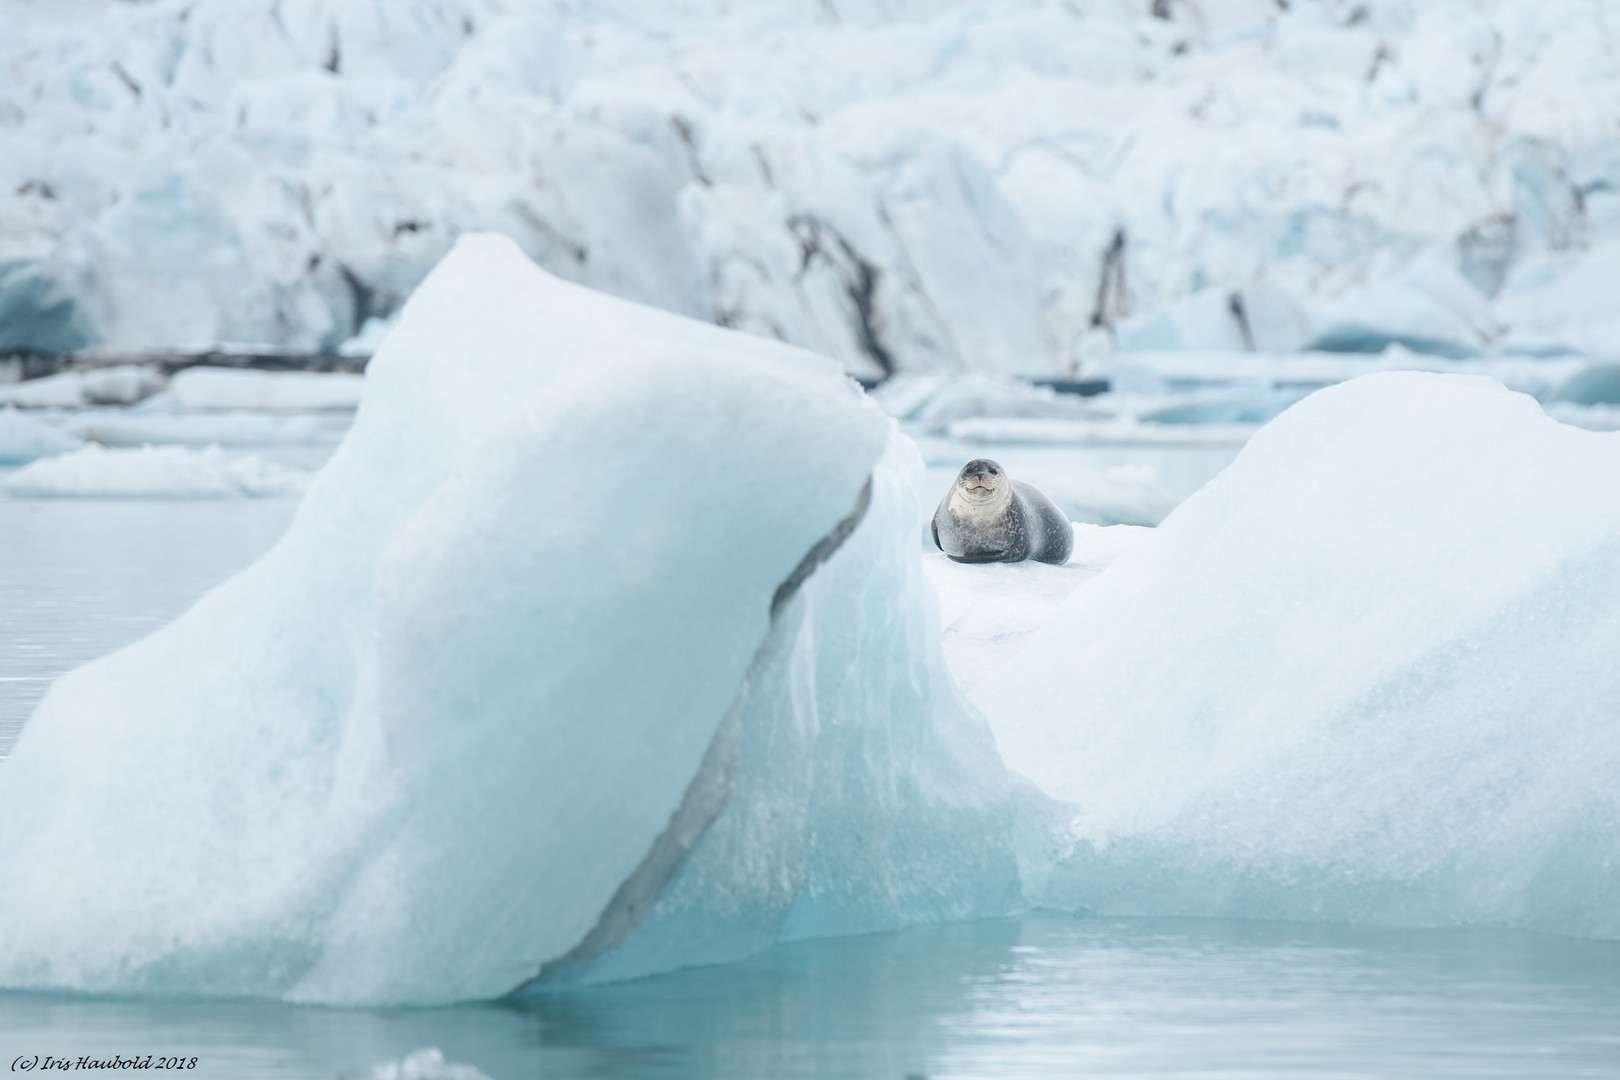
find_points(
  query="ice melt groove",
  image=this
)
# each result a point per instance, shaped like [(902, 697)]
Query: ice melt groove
[(710, 791)]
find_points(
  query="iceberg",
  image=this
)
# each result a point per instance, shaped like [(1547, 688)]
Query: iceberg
[(122, 384), (602, 645), (228, 388), (1366, 674)]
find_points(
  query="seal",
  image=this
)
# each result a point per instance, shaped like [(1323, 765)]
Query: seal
[(987, 516)]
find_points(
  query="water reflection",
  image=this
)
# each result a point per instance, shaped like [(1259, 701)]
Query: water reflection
[(1047, 995)]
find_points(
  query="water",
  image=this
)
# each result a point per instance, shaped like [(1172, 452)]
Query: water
[(1046, 995), (80, 578), (1043, 996)]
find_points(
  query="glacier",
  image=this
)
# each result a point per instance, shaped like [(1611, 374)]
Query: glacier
[(601, 645), (1021, 187)]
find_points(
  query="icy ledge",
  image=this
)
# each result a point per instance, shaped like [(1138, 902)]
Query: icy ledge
[(1366, 674), (601, 646)]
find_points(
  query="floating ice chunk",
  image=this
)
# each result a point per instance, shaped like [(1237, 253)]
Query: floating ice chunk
[(428, 1063), (510, 698), (64, 391), (1105, 432), (154, 472), (232, 388), (1365, 674), (124, 384), (161, 427), (933, 402), (23, 438)]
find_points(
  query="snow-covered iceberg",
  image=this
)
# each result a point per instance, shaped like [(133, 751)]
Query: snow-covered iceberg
[(1366, 674), (601, 645)]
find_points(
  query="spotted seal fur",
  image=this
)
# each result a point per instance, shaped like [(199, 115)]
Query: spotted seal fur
[(987, 516)]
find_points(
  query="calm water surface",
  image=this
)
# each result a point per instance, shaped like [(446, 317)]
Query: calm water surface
[(1043, 996), (80, 578)]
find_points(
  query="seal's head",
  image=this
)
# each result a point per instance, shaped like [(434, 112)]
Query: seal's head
[(982, 487)]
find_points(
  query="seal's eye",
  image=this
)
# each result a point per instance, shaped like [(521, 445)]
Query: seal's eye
[(993, 470)]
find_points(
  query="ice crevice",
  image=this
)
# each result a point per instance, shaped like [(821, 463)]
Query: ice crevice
[(710, 791)]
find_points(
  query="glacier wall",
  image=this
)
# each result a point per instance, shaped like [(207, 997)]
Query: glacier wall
[(591, 600), (1366, 674), (1011, 187)]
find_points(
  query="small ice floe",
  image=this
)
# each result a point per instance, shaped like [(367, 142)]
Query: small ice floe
[(232, 388), (154, 472), (126, 428), (23, 438), (1113, 431), (935, 402), (122, 385), (427, 1063)]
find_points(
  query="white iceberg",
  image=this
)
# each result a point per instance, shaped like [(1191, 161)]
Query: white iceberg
[(601, 646), (123, 384), (154, 472), (237, 388), (1366, 674), (63, 391)]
